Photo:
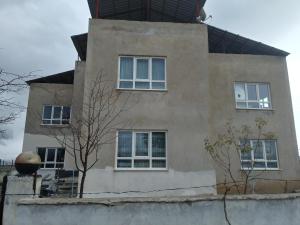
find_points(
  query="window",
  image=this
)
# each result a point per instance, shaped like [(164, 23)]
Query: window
[(52, 158), (252, 95), (142, 73), (141, 150), (56, 115), (259, 154)]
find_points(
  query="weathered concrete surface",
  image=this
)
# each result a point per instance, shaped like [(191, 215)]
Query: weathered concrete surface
[(242, 210), (224, 70), (110, 183), (18, 187)]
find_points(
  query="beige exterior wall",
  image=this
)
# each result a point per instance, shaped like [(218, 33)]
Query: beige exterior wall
[(224, 70), (182, 110), (198, 101)]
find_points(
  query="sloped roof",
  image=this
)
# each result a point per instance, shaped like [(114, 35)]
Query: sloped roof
[(219, 41), (147, 10), (80, 43), (60, 78)]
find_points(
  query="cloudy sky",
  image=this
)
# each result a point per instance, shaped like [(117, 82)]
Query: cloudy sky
[(35, 36)]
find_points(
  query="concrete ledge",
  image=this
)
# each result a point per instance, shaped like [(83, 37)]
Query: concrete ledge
[(117, 201)]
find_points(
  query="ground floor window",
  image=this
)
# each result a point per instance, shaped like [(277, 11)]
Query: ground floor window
[(259, 154), (141, 150), (52, 158)]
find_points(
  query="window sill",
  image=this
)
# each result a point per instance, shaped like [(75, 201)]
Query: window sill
[(150, 90), (55, 125), (140, 170), (44, 169), (245, 109), (257, 169)]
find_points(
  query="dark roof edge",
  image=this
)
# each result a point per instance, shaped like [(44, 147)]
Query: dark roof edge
[(261, 48), (66, 77)]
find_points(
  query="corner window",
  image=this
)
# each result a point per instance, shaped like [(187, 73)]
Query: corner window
[(259, 154), (142, 73), (252, 95), (141, 150), (52, 158), (56, 115)]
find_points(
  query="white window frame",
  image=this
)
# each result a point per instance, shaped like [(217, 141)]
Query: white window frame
[(134, 79), (133, 151), (257, 94), (55, 158), (60, 119), (264, 160)]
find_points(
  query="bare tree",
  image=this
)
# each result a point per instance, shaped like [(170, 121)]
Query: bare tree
[(10, 85), (228, 147), (95, 127)]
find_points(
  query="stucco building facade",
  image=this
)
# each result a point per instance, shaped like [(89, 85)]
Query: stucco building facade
[(185, 79)]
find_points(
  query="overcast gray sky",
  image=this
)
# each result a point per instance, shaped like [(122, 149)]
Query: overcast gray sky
[(35, 36)]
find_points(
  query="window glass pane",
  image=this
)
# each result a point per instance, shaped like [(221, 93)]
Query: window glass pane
[(271, 153), (59, 165), (141, 144), (253, 105), (49, 165), (264, 93), (46, 121), (142, 85), (65, 122), (126, 68), (56, 112), (51, 155), (258, 150), (142, 69), (261, 165), (158, 85), (251, 89), (159, 163), (66, 112), (124, 144), (158, 144), (42, 152), (245, 150), (60, 155), (126, 84), (158, 69), (124, 163), (240, 93), (141, 164), (55, 121), (273, 165), (241, 105), (47, 112), (246, 165)]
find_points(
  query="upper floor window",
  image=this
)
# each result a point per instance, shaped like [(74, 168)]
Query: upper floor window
[(141, 150), (252, 95), (142, 73), (57, 115), (52, 158), (262, 154)]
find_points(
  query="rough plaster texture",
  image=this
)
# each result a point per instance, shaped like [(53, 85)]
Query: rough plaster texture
[(224, 70), (198, 102), (242, 210), (16, 189), (110, 183), (181, 110)]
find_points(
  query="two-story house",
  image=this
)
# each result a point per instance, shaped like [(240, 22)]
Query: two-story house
[(189, 79)]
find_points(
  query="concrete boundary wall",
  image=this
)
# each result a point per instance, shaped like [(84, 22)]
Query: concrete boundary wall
[(242, 210)]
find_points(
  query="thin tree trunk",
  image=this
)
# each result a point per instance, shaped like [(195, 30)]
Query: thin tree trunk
[(82, 183)]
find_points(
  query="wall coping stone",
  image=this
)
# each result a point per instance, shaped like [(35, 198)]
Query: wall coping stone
[(116, 201)]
